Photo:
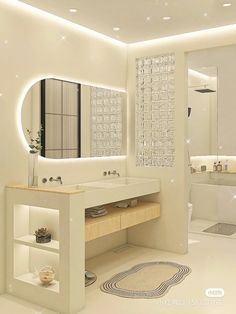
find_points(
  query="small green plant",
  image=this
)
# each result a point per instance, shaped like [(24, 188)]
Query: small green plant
[(42, 235), (42, 232), (35, 143)]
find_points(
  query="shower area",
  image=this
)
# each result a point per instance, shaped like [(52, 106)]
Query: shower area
[(212, 141)]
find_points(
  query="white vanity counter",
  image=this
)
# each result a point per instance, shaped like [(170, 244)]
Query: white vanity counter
[(62, 210), (104, 191)]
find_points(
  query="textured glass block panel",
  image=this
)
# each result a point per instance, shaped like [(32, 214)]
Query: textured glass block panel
[(70, 132), (106, 122), (70, 98), (155, 104), (53, 99), (53, 127)]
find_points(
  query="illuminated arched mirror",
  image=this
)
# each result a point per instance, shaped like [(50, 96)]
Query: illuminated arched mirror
[(77, 120)]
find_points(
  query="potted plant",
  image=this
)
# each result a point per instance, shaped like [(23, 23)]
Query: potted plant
[(42, 235), (35, 147)]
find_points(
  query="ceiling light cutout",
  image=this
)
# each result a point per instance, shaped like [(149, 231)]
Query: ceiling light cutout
[(166, 18), (73, 10)]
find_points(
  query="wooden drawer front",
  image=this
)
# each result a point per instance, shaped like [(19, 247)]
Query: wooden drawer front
[(135, 216), (102, 227)]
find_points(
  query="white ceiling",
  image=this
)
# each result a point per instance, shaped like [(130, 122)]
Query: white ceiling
[(131, 16)]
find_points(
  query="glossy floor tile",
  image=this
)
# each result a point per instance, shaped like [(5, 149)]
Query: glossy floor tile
[(213, 263)]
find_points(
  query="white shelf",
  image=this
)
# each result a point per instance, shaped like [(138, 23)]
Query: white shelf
[(32, 279), (29, 240)]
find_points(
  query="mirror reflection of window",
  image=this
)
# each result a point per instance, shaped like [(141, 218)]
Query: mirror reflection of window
[(60, 119)]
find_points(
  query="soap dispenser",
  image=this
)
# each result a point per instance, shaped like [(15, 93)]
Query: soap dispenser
[(219, 167), (214, 167)]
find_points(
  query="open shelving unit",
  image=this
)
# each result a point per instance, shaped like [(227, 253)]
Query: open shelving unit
[(63, 215), (30, 256)]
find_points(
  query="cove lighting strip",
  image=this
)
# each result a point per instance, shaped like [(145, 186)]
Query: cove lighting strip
[(50, 16), (23, 6), (185, 36)]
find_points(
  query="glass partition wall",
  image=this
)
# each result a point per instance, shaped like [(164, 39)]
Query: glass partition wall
[(211, 144)]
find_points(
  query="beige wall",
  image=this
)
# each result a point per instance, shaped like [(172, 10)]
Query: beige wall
[(31, 47)]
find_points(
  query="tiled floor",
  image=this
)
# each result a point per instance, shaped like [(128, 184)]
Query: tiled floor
[(213, 263)]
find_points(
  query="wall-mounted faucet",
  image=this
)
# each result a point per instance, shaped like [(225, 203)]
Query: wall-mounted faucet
[(114, 173), (58, 179)]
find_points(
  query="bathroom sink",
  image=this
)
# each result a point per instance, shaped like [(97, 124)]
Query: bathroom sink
[(71, 188), (112, 190), (128, 180)]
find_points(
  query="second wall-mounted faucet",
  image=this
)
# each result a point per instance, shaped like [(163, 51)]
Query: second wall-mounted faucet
[(109, 173), (58, 179)]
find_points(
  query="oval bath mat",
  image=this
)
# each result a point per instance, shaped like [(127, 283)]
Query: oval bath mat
[(147, 280)]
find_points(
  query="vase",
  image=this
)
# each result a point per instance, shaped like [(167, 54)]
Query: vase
[(33, 170)]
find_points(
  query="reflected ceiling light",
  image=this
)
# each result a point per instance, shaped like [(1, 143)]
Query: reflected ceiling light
[(1, 94), (148, 18), (73, 10), (227, 4), (116, 29), (205, 14), (6, 42), (166, 18), (166, 4)]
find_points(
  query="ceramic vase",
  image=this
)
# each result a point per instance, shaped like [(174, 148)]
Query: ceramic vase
[(33, 170)]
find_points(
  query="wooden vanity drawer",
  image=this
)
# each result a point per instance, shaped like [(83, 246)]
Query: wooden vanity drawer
[(142, 213), (98, 227)]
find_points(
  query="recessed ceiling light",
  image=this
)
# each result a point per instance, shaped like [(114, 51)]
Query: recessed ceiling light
[(227, 4), (148, 18), (166, 18), (73, 10), (116, 29)]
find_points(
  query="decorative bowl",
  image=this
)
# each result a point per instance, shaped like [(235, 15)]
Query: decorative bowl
[(46, 275)]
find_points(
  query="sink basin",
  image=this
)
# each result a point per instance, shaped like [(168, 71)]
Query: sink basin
[(112, 190), (128, 180), (71, 188)]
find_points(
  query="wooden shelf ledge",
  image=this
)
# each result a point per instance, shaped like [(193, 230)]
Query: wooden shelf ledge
[(120, 218)]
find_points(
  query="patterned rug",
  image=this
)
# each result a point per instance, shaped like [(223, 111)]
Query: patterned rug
[(147, 280)]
